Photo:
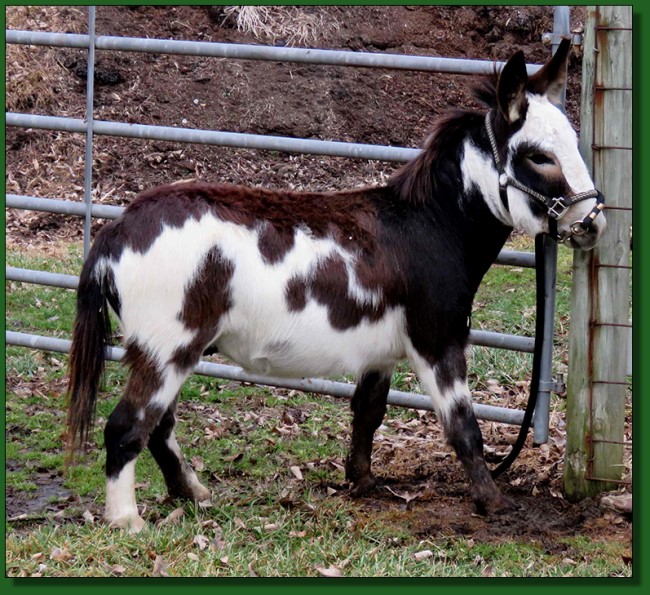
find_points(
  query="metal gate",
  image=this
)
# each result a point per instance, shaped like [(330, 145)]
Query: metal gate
[(87, 210)]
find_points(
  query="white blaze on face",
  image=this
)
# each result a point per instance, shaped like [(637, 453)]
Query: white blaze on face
[(549, 129)]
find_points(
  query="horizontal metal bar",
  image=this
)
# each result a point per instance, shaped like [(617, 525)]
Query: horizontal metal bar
[(476, 337), (261, 52), (609, 480), (312, 385), (41, 278), (612, 266), (62, 207), (502, 341), (69, 207), (610, 147), (608, 28), (516, 258), (621, 442), (556, 38), (604, 88), (214, 137)]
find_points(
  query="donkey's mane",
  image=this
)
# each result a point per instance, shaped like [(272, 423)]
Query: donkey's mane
[(417, 181)]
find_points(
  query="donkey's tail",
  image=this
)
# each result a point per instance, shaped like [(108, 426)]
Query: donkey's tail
[(92, 329)]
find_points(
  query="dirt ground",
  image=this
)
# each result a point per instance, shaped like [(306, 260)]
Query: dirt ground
[(321, 102)]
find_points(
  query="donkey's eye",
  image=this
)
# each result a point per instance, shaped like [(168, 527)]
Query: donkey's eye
[(540, 159)]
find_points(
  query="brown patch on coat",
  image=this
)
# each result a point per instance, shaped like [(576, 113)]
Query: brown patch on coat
[(329, 287), (296, 294), (377, 270), (144, 377), (273, 244), (206, 300)]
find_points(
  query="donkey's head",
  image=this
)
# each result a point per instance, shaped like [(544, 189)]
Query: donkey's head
[(543, 180)]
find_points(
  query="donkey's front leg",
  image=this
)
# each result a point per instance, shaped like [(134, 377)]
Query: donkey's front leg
[(368, 408), (446, 383)]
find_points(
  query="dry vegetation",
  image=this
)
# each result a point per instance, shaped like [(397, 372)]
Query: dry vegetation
[(289, 25)]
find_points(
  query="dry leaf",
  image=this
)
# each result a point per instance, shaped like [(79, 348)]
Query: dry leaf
[(297, 533), (159, 567), (88, 517), (330, 572), (41, 569), (201, 541), (118, 569), (297, 473), (197, 463), (234, 458), (405, 495), (239, 523), (193, 556), (172, 518), (423, 555), (60, 554)]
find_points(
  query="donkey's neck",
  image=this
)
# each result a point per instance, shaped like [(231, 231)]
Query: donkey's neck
[(464, 206)]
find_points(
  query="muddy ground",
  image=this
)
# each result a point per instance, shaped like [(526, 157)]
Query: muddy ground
[(320, 102)]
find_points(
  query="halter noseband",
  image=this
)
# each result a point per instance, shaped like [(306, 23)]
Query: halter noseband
[(556, 207)]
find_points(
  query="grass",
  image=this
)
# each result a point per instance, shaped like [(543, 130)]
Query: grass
[(244, 442)]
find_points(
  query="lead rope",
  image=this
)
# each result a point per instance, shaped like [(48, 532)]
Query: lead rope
[(540, 282)]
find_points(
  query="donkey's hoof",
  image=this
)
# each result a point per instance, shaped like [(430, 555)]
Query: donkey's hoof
[(131, 524), (496, 505), (363, 485), (200, 493)]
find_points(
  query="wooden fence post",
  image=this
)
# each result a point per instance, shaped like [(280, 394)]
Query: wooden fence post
[(600, 310)]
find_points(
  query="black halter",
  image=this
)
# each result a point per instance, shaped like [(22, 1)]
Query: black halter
[(556, 207)]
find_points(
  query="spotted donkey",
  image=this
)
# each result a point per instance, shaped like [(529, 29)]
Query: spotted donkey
[(304, 284)]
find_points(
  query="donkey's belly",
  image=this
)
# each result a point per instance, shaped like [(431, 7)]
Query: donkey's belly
[(307, 345)]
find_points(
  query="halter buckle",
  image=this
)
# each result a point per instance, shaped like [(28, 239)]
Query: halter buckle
[(557, 208)]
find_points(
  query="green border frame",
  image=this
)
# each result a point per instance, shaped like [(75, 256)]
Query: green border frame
[(641, 48)]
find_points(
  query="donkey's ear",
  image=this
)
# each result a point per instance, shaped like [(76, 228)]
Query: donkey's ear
[(511, 88), (550, 79)]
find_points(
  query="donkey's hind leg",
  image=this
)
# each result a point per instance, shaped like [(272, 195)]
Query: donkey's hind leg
[(149, 392), (179, 476), (368, 408)]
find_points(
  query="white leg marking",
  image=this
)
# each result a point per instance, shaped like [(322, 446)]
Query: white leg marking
[(121, 508), (443, 400), (199, 491)]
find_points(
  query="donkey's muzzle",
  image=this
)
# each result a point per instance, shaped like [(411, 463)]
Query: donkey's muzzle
[(584, 233)]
